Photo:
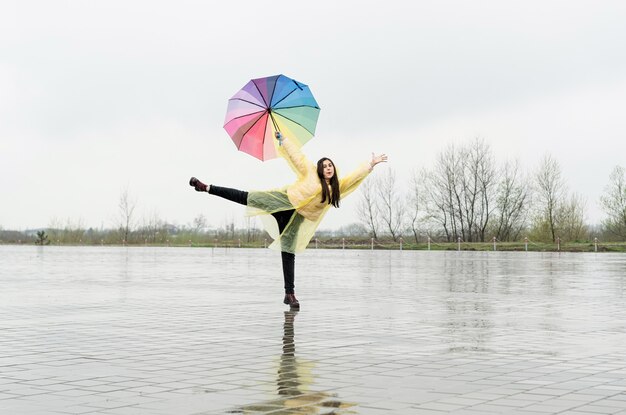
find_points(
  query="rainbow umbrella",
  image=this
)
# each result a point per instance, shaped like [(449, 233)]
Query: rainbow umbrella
[(266, 105)]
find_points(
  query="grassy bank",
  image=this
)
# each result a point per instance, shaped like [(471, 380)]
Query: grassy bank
[(476, 246), (366, 244)]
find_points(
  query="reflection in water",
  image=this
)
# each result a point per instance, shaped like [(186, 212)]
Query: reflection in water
[(466, 276), (288, 380), (292, 380), (469, 315), (469, 325)]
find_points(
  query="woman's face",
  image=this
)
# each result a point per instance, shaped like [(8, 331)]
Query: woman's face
[(329, 169)]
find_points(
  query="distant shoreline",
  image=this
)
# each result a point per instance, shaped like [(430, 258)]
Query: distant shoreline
[(363, 244)]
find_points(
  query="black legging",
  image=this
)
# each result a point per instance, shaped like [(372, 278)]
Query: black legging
[(282, 218)]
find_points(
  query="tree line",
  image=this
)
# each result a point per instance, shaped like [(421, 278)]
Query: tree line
[(128, 228), (466, 194)]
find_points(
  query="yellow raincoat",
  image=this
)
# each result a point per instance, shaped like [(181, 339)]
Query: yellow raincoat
[(305, 196)]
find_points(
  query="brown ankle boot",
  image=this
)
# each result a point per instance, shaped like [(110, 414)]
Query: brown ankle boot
[(291, 300), (198, 185)]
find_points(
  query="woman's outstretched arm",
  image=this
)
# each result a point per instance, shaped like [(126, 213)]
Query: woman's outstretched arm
[(294, 156), (351, 181)]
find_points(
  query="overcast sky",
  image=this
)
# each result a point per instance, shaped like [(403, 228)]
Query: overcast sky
[(98, 96)]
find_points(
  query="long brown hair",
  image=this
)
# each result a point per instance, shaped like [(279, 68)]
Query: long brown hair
[(334, 196)]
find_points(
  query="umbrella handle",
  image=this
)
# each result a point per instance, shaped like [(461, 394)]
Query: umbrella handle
[(279, 137)]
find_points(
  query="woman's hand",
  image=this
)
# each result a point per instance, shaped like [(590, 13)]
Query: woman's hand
[(382, 158)]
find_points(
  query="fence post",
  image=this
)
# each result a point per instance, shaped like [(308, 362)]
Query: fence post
[(494, 243), (372, 248), (558, 243), (265, 243), (526, 243), (458, 243), (595, 243), (343, 243), (315, 243), (429, 243), (401, 240)]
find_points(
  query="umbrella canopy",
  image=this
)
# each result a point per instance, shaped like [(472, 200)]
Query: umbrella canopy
[(266, 105)]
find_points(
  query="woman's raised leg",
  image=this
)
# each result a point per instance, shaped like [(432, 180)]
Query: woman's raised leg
[(234, 195)]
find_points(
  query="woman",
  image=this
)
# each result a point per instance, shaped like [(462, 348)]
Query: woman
[(296, 209)]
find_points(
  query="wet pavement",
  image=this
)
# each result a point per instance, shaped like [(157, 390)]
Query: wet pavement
[(115, 331)]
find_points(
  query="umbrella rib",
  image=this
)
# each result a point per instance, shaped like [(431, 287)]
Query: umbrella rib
[(295, 122), (249, 102), (274, 122), (257, 88), (283, 98), (273, 91), (247, 131), (292, 91), (246, 115), (298, 106)]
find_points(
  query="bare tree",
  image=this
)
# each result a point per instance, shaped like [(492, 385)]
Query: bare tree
[(460, 190), (415, 202), (127, 207), (613, 203), (451, 177), (368, 208), (55, 229), (73, 231), (550, 192), (153, 228), (392, 210), (480, 173), (252, 231), (230, 228), (571, 218), (441, 190), (199, 223), (512, 203), (227, 229)]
